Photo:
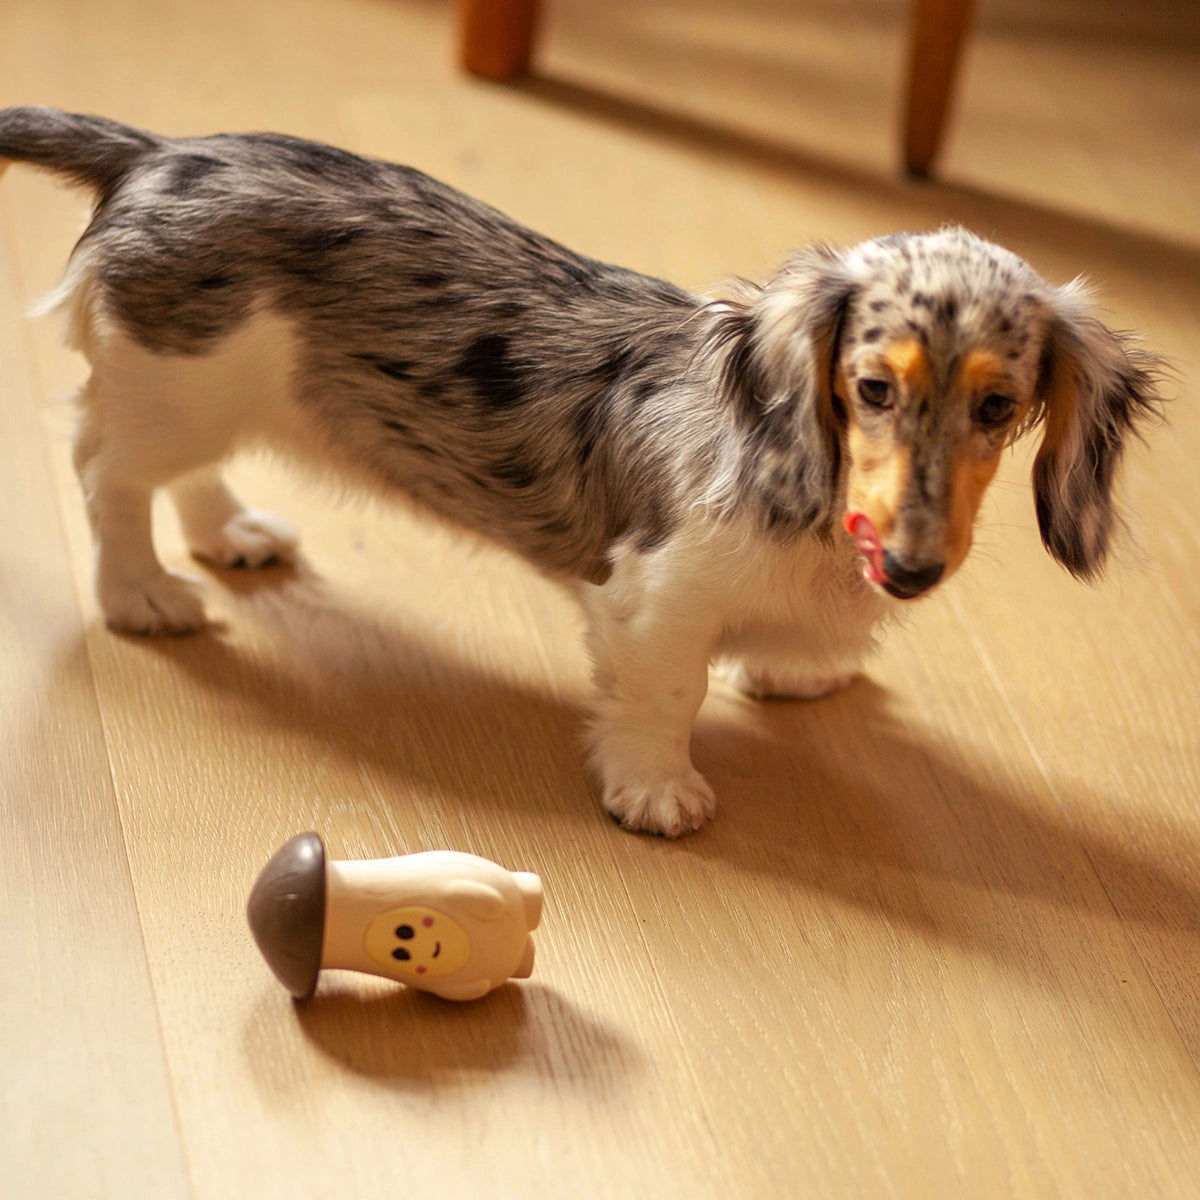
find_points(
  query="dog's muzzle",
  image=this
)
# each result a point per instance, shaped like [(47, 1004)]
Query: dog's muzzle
[(885, 569)]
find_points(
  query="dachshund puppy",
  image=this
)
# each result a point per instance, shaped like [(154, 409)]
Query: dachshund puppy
[(759, 479)]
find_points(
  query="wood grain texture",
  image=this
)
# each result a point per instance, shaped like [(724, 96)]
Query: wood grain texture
[(85, 1104), (940, 941)]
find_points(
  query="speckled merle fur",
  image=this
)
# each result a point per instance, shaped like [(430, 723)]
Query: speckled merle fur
[(506, 382)]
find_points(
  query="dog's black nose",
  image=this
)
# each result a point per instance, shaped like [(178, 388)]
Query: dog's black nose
[(905, 582)]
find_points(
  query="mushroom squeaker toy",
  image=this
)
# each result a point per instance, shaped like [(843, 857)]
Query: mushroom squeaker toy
[(449, 923)]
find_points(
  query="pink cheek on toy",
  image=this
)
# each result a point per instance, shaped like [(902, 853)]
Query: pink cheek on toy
[(420, 970), (427, 922)]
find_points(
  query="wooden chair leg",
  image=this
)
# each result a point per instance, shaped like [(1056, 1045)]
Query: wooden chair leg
[(938, 28), (496, 36)]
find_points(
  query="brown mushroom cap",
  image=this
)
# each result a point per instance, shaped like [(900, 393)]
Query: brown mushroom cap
[(286, 911)]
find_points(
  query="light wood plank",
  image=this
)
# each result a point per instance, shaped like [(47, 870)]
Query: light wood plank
[(85, 1107)]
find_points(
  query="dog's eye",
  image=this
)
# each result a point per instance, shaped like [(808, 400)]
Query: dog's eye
[(875, 392), (995, 410)]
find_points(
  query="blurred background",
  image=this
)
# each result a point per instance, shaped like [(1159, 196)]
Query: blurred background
[(1084, 107)]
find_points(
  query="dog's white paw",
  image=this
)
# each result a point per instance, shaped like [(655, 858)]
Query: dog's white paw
[(669, 807), (249, 539), (770, 684), (159, 606)]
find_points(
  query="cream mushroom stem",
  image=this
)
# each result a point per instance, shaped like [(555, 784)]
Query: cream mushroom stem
[(442, 921)]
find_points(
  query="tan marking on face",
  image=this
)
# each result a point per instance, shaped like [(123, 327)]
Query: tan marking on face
[(969, 481), (841, 386), (909, 363), (880, 469), (878, 477), (980, 370)]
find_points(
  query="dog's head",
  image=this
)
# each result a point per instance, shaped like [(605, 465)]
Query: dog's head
[(911, 362)]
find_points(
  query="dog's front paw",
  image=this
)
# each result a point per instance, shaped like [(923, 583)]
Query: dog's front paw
[(774, 684), (669, 807), (248, 539), (159, 606)]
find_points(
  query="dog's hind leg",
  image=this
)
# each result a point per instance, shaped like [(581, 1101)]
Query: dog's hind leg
[(158, 419), (135, 593), (220, 530)]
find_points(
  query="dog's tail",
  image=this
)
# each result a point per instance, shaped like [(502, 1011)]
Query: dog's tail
[(93, 151)]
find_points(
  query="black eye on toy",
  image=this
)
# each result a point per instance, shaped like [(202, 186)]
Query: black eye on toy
[(404, 933), (402, 954)]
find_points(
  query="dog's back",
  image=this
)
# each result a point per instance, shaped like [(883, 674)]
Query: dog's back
[(432, 345)]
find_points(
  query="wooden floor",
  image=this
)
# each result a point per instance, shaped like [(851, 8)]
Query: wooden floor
[(943, 939)]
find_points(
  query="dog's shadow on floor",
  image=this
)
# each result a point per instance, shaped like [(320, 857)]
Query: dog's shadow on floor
[(835, 797), (294, 656)]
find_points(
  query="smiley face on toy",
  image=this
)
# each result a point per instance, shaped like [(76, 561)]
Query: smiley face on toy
[(414, 942)]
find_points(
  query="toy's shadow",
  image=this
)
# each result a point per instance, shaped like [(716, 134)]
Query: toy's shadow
[(404, 1039)]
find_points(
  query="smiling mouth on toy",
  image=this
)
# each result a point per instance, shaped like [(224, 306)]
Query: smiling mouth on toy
[(437, 949)]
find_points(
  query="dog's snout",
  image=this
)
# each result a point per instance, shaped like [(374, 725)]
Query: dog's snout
[(906, 581)]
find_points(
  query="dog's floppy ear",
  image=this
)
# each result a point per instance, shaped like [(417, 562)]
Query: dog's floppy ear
[(779, 347), (1095, 388)]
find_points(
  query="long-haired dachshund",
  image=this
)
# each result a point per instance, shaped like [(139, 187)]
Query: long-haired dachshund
[(758, 480)]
